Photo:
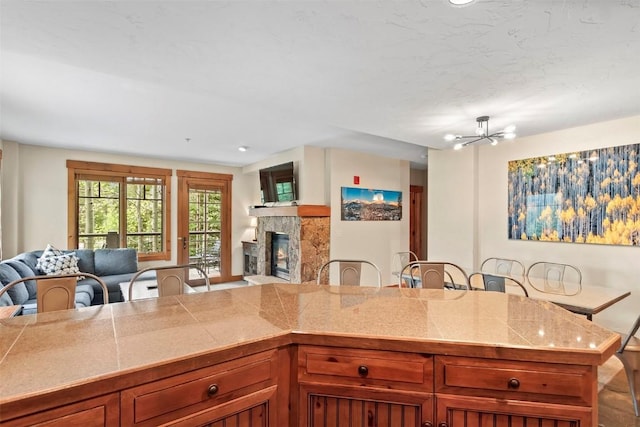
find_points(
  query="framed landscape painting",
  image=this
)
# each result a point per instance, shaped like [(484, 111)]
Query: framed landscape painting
[(364, 204), (581, 197)]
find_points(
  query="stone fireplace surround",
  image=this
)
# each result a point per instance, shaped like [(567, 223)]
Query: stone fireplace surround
[(308, 228)]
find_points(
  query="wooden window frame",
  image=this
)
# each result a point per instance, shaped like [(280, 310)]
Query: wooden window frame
[(82, 170)]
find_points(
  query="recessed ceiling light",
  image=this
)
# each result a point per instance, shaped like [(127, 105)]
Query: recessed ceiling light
[(460, 2), (243, 148)]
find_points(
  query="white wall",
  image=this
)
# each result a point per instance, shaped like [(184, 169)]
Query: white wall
[(34, 197), (375, 241), (309, 166), (468, 221)]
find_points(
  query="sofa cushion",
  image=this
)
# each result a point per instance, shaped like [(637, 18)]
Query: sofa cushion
[(115, 261), (84, 295), (24, 271), (18, 293), (113, 286), (30, 259), (5, 299), (85, 260)]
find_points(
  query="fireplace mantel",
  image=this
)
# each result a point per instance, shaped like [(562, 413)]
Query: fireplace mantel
[(301, 210)]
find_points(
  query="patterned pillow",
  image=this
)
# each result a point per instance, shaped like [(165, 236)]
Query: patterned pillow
[(50, 251), (60, 264), (53, 262)]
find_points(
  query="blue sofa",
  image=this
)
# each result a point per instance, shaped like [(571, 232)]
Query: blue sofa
[(114, 266)]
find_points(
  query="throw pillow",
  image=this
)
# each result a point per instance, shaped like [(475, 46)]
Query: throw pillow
[(50, 251), (59, 264)]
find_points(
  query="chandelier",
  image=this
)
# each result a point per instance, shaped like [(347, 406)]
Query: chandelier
[(482, 133)]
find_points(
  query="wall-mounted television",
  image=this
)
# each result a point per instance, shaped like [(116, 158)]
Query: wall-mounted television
[(278, 184)]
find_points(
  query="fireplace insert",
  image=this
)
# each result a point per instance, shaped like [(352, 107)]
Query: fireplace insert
[(280, 255)]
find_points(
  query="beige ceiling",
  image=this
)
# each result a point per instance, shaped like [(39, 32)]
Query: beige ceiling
[(386, 77)]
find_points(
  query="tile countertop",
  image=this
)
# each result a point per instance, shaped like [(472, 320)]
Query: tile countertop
[(47, 352)]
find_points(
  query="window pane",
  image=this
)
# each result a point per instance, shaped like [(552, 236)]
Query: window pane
[(144, 217), (98, 212), (204, 225)]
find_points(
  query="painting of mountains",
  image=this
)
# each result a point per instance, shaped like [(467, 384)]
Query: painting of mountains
[(365, 204)]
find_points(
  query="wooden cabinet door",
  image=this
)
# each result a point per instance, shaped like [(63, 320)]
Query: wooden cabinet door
[(256, 410), (335, 406), (467, 411), (103, 411)]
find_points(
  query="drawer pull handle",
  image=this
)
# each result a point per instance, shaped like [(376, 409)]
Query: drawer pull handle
[(363, 371), (427, 424), (212, 390), (513, 383), (443, 424)]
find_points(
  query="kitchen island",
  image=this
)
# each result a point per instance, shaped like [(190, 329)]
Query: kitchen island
[(287, 354)]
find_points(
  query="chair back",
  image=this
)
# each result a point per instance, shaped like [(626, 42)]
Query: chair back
[(433, 275), (556, 278), (57, 292), (496, 283), (350, 272), (504, 267), (400, 259), (170, 279)]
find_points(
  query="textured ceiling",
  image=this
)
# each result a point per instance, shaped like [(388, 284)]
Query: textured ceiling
[(390, 78)]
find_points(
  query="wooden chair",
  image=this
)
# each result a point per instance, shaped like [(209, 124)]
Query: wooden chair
[(629, 355), (433, 275), (349, 270), (495, 282), (170, 279), (57, 292), (504, 267), (557, 278)]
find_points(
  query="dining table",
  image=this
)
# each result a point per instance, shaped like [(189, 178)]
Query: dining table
[(583, 299), (586, 300)]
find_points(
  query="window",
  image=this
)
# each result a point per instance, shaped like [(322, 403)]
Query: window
[(118, 206), (285, 190)]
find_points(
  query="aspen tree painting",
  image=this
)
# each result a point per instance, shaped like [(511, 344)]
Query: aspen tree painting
[(582, 197)]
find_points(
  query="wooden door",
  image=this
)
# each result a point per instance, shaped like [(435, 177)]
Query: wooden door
[(416, 224), (204, 223), (335, 406), (467, 411)]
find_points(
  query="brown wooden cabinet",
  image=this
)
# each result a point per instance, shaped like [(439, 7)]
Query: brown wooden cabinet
[(475, 391), (315, 385), (350, 387), (244, 388), (102, 411)]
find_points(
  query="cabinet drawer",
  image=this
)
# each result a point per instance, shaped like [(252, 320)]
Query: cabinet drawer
[(365, 367), (174, 397), (515, 380)]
